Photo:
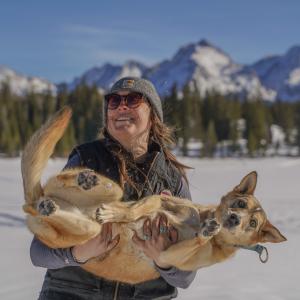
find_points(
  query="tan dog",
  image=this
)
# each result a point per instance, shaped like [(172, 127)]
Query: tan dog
[(219, 231), (71, 206)]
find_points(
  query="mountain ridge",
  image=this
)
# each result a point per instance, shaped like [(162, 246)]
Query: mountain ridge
[(202, 63)]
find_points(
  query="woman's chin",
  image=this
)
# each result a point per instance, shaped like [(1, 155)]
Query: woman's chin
[(126, 127), (124, 131)]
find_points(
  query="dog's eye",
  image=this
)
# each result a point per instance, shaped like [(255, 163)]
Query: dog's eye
[(241, 204), (253, 223)]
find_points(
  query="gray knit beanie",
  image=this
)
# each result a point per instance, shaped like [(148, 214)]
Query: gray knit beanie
[(139, 85)]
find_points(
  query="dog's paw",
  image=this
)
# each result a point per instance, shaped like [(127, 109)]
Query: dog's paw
[(47, 207), (108, 213), (87, 179), (210, 227)]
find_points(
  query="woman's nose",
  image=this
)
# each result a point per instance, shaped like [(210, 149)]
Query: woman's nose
[(123, 105)]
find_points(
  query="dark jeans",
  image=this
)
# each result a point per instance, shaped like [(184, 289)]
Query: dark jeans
[(100, 289)]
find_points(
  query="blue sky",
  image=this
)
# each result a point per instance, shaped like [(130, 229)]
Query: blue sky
[(59, 40)]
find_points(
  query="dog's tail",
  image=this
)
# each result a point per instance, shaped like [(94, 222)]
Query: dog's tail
[(37, 152)]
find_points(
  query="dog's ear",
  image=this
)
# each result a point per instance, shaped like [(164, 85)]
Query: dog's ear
[(247, 185), (271, 234)]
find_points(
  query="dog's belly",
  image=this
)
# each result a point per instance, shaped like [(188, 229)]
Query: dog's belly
[(125, 263)]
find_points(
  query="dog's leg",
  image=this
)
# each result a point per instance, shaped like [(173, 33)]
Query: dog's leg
[(83, 188), (192, 253), (176, 209), (209, 226), (85, 179), (70, 225), (72, 229), (51, 234), (130, 211), (39, 227), (73, 223), (188, 254)]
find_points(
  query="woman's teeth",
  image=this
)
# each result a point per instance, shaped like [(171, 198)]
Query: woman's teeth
[(123, 119)]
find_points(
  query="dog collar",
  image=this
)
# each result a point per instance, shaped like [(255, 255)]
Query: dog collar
[(261, 250)]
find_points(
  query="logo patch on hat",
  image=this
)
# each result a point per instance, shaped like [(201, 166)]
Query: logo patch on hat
[(128, 83)]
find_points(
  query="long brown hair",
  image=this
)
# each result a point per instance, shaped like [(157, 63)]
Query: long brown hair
[(160, 133), (164, 136)]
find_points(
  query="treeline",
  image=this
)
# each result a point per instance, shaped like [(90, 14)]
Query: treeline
[(21, 116), (213, 123), (228, 125)]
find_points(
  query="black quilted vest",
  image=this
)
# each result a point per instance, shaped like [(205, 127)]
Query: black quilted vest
[(151, 177)]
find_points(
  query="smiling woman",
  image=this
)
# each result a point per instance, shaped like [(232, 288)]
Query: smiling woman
[(129, 121), (133, 151)]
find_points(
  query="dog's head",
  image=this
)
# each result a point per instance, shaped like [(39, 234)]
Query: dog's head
[(243, 220)]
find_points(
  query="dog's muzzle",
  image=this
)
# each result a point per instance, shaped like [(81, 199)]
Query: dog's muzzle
[(232, 221)]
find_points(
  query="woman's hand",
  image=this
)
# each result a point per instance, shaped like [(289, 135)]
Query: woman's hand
[(99, 245), (158, 237)]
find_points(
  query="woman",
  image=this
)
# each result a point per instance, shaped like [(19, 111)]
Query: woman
[(132, 151)]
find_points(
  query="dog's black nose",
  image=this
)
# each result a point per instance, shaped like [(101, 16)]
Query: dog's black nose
[(234, 220)]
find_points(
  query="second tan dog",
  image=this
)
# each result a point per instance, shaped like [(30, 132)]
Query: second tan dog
[(70, 208)]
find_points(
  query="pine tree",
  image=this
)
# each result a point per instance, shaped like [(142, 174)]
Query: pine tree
[(297, 125), (233, 136), (190, 117), (252, 143), (283, 114), (49, 105), (183, 117), (256, 124), (170, 108), (211, 140)]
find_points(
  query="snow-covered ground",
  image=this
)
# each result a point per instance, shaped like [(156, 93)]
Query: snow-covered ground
[(241, 278)]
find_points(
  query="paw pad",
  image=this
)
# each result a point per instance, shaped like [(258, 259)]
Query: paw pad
[(47, 207), (210, 227), (87, 179)]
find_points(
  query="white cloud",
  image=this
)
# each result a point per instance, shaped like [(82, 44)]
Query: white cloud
[(96, 45)]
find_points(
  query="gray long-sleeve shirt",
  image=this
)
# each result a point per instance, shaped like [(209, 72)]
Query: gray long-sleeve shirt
[(43, 256)]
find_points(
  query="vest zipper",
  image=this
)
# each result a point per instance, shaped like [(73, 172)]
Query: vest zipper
[(116, 290)]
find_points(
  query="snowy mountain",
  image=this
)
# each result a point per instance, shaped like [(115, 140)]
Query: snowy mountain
[(103, 77), (200, 64), (21, 84), (208, 68), (281, 74)]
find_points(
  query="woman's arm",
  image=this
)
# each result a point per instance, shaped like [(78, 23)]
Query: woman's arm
[(74, 161), (45, 257), (176, 277)]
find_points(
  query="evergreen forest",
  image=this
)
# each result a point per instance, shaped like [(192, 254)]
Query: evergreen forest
[(209, 126)]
